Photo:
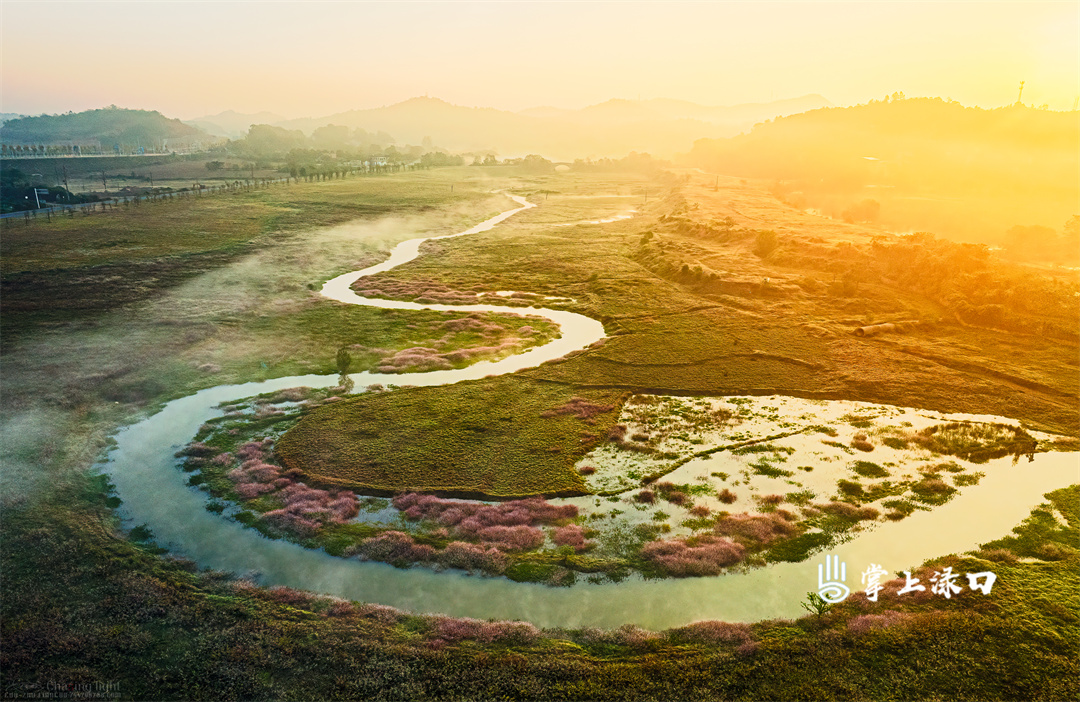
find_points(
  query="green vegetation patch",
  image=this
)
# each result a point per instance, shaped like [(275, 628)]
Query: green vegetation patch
[(977, 442), (1043, 534), (484, 438), (870, 470)]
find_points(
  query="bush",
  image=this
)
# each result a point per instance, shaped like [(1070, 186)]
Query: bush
[(765, 242), (705, 555)]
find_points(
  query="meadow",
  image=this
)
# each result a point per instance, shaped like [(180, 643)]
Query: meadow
[(94, 342)]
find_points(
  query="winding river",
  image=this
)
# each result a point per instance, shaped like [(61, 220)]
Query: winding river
[(154, 492)]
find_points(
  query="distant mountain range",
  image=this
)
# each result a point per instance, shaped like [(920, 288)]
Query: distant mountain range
[(612, 128), (609, 129)]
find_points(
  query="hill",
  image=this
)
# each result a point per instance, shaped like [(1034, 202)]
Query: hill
[(922, 164), (612, 128), (105, 127)]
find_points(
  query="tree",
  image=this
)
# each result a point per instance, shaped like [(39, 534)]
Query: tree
[(330, 137)]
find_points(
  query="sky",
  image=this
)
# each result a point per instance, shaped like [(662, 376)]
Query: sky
[(189, 59)]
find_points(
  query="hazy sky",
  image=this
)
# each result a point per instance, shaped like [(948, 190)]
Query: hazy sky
[(189, 59)]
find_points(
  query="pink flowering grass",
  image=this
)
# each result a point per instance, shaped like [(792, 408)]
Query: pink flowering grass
[(571, 535), (197, 448), (700, 511), (453, 630), (763, 529), (304, 510), (393, 547), (472, 519), (512, 538), (579, 407), (249, 491), (704, 555), (626, 635), (714, 632), (340, 608), (380, 613), (645, 497), (473, 557), (292, 523), (868, 622), (290, 596)]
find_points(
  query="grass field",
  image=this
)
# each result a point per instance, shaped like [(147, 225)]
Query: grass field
[(486, 438), (94, 342), (668, 335)]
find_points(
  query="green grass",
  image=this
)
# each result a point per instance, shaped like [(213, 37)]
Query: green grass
[(869, 470), (484, 437), (1042, 534)]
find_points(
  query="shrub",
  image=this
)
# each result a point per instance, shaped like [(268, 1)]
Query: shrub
[(393, 547), (454, 630), (866, 622), (714, 632), (617, 432), (626, 635), (869, 470), (468, 518), (932, 490), (765, 242), (289, 596), (727, 496), (999, 555), (849, 511), (512, 538), (570, 535), (762, 529), (473, 557), (579, 407), (705, 555)]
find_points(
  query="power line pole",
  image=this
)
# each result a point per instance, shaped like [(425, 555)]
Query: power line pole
[(1021, 93)]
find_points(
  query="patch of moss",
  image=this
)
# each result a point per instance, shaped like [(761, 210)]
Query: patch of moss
[(869, 470)]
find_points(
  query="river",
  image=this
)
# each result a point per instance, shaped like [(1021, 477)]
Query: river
[(154, 492)]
